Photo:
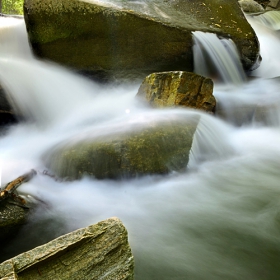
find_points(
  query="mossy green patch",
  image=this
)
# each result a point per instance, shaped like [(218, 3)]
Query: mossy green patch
[(155, 149)]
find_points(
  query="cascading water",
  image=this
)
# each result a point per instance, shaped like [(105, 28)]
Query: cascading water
[(270, 19), (218, 220), (217, 58)]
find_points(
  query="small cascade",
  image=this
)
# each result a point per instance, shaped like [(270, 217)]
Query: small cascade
[(269, 46), (269, 19), (13, 39), (217, 59)]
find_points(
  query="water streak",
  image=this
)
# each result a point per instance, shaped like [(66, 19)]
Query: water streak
[(217, 58)]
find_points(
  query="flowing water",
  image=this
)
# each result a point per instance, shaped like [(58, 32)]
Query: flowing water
[(220, 219)]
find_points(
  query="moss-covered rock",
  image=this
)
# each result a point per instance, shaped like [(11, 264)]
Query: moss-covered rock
[(100, 251), (155, 148), (169, 89), (132, 38)]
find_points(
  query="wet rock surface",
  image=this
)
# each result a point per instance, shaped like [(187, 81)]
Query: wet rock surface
[(100, 251), (250, 6), (12, 217), (129, 38), (154, 148), (170, 89)]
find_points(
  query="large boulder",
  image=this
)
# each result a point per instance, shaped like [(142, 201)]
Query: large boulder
[(156, 147), (169, 89), (132, 38), (100, 251)]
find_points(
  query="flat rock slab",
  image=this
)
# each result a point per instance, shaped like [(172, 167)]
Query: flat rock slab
[(100, 251)]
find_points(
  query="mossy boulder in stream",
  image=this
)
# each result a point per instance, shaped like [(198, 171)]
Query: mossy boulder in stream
[(123, 38), (178, 88), (155, 148), (100, 251)]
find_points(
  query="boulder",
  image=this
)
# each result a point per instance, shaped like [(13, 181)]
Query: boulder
[(12, 217), (155, 147), (169, 89), (123, 38), (100, 251), (273, 5), (250, 6)]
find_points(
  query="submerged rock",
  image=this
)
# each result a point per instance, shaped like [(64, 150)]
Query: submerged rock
[(100, 251), (169, 89), (155, 147), (132, 38)]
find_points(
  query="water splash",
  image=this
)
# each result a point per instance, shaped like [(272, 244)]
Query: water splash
[(217, 58), (269, 46)]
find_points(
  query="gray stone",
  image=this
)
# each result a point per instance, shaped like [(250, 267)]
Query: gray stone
[(274, 3), (250, 6), (100, 251)]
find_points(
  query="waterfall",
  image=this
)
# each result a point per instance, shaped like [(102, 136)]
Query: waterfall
[(216, 220), (217, 58), (269, 45), (269, 19)]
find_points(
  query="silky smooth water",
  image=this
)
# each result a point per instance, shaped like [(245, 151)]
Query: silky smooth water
[(220, 219)]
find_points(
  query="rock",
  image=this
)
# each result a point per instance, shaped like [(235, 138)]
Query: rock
[(7, 115), (274, 4), (156, 147), (132, 38), (169, 89), (100, 251), (13, 208), (12, 217), (250, 6)]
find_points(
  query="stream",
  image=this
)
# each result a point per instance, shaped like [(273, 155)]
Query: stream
[(219, 219)]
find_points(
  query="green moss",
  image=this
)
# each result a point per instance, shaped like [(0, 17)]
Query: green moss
[(154, 150)]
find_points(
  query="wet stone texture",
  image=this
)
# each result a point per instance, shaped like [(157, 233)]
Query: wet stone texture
[(154, 148), (12, 217), (100, 251), (178, 88), (128, 39)]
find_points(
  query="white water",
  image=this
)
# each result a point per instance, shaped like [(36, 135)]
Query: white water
[(217, 58), (218, 220)]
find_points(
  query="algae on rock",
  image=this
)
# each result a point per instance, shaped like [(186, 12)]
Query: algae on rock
[(155, 148)]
